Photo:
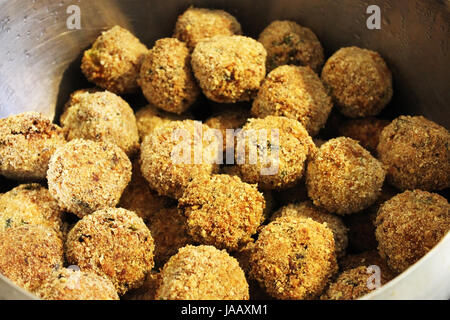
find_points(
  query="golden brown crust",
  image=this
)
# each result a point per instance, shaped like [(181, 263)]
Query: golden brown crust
[(197, 24), (202, 273), (103, 117), (114, 243), (359, 81), (222, 210), (344, 177), (417, 153), (294, 92), (166, 77), (409, 225), (365, 259), (294, 258), (229, 68), (29, 254), (85, 176), (287, 42), (69, 284), (27, 141), (114, 60)]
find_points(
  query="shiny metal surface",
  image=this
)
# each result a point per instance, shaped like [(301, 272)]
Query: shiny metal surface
[(40, 58)]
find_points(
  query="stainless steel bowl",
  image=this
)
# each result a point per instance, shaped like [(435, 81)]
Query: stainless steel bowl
[(40, 59)]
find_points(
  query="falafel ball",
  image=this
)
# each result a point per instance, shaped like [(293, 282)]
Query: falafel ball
[(29, 254), (172, 156), (229, 68), (169, 230), (353, 284), (366, 131), (197, 24), (202, 273), (115, 243), (294, 92), (70, 284), (359, 80), (344, 177), (114, 60), (30, 204), (417, 153), (409, 225), (27, 141), (221, 210), (104, 117), (85, 176), (150, 117), (287, 42), (282, 147), (294, 258), (166, 77), (308, 210)]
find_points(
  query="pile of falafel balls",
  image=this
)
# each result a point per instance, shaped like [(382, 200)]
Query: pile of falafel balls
[(101, 211)]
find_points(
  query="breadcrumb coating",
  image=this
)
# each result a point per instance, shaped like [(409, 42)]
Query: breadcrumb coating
[(165, 168), (288, 156), (287, 42), (409, 225), (308, 210), (85, 176), (166, 77), (417, 153), (29, 254), (30, 204), (229, 68), (197, 24), (101, 116), (114, 60), (294, 92), (27, 141), (69, 284), (221, 210), (365, 259), (294, 258), (359, 81), (114, 243), (202, 273), (344, 177)]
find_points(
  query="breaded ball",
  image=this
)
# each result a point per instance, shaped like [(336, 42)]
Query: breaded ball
[(221, 210), (366, 131), (139, 198), (353, 284), (166, 77), (104, 117), (169, 231), (202, 273), (70, 284), (365, 259), (172, 156), (75, 98), (344, 177), (30, 204), (229, 68), (150, 117), (294, 92), (417, 153), (197, 24), (114, 60), (287, 42), (115, 243), (359, 80), (27, 141), (279, 164), (85, 176), (29, 254), (409, 225), (148, 290), (294, 258), (308, 210)]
